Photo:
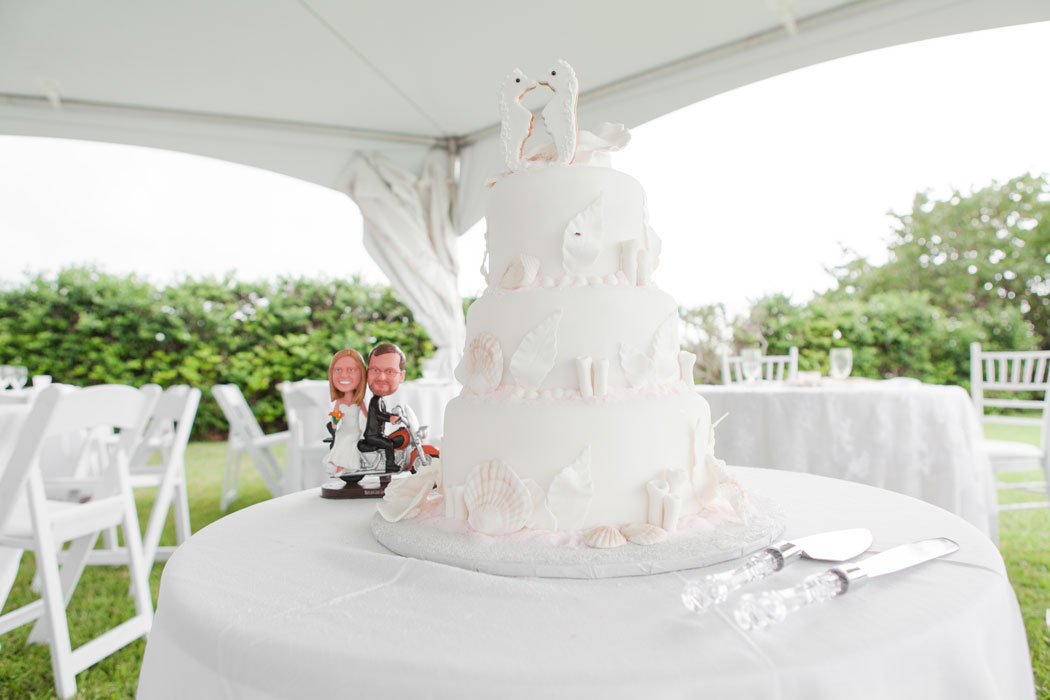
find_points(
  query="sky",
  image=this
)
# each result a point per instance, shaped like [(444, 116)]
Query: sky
[(754, 191)]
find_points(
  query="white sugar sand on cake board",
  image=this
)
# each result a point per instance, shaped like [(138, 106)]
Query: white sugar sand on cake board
[(698, 542)]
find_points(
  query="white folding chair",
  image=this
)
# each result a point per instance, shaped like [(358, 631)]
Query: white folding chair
[(167, 434), (775, 368), (306, 410), (246, 437), (996, 379), (29, 521)]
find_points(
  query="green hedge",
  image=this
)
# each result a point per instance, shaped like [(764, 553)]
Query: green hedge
[(83, 326)]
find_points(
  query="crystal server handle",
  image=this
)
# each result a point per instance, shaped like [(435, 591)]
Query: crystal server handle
[(699, 595), (765, 609)]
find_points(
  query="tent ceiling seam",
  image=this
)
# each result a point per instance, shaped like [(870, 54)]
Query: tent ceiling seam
[(73, 105), (371, 66)]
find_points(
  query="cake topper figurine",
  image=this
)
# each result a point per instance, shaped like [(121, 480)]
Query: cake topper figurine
[(378, 454), (346, 385), (386, 371), (559, 115), (515, 119)]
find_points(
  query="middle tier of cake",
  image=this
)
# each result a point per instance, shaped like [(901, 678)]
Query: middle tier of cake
[(630, 331)]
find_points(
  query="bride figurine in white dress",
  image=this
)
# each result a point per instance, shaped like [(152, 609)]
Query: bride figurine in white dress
[(346, 382)]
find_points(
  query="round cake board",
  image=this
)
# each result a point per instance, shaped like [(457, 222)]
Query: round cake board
[(553, 555)]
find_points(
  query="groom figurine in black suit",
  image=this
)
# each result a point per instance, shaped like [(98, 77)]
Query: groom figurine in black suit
[(386, 371)]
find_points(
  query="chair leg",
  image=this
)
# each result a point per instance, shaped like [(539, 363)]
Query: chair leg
[(159, 513), (230, 479), (181, 507), (9, 560), (55, 615), (136, 561), (73, 563)]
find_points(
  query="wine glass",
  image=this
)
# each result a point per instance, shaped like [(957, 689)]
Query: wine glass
[(751, 364), (19, 376), (5, 376), (841, 360)]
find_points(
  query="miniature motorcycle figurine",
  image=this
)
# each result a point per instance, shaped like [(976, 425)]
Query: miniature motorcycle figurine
[(411, 455)]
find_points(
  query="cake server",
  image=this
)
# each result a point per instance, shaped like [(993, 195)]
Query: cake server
[(761, 611), (839, 545)]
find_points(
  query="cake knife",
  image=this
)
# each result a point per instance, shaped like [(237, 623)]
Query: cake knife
[(839, 545), (761, 611)]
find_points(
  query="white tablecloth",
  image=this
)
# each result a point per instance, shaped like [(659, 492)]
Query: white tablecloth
[(917, 439), (293, 598)]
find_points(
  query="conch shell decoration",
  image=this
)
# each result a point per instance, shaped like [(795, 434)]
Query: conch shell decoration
[(482, 365), (403, 497), (661, 364), (570, 493)]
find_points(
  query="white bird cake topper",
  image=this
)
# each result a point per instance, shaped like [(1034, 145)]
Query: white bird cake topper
[(515, 119), (559, 115)]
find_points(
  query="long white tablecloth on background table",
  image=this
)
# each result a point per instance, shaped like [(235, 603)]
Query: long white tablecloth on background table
[(921, 440), (293, 598)]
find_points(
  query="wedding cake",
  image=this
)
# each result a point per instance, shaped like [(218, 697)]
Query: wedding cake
[(578, 414)]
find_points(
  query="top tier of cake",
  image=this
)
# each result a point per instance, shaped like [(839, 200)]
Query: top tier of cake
[(560, 225)]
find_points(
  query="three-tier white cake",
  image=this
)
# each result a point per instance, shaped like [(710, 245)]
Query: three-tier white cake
[(578, 416)]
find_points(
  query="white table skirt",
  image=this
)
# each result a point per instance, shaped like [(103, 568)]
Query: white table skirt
[(921, 440), (293, 598)]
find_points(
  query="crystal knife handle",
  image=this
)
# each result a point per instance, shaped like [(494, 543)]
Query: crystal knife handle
[(701, 594), (765, 609)]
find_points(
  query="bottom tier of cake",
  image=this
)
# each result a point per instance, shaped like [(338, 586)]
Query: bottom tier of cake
[(587, 462)]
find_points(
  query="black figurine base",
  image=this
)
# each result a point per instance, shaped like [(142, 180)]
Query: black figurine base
[(362, 488)]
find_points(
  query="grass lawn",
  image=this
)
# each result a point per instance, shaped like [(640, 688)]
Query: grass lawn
[(101, 597)]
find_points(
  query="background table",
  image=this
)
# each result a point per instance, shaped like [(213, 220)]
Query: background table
[(293, 598), (918, 439)]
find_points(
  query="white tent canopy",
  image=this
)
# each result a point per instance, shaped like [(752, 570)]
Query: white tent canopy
[(308, 87)]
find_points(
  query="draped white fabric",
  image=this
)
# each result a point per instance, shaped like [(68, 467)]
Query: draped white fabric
[(408, 231), (293, 598)]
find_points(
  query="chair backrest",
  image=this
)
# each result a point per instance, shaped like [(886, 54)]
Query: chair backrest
[(996, 378), (170, 423), (243, 425), (60, 410), (775, 368), (306, 407)]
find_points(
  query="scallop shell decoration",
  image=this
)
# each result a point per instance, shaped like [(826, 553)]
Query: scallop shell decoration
[(643, 533), (404, 496), (498, 503), (604, 537), (521, 272), (482, 365)]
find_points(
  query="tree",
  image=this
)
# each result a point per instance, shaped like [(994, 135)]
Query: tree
[(978, 256)]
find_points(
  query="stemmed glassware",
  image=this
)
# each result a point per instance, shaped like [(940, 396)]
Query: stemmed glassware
[(841, 362), (751, 364), (19, 376), (13, 376)]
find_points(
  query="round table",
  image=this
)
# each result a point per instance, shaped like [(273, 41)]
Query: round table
[(293, 598), (918, 439)]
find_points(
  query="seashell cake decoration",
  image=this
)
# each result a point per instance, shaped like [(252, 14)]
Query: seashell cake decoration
[(497, 502), (403, 497), (604, 537), (643, 533), (521, 272), (481, 368)]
